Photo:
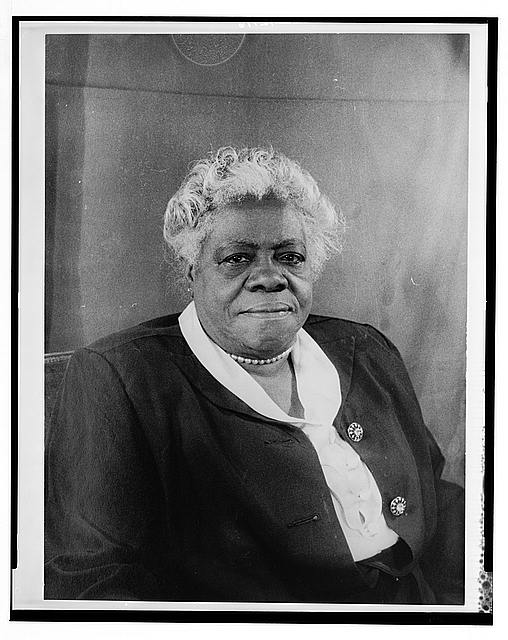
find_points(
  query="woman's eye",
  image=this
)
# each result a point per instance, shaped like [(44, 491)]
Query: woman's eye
[(237, 258), (292, 258)]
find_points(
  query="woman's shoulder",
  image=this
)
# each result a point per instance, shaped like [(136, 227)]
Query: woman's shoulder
[(161, 333), (325, 329)]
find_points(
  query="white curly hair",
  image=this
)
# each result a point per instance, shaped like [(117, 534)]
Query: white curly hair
[(232, 176)]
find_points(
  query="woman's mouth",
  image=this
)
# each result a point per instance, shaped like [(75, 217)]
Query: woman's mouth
[(273, 310)]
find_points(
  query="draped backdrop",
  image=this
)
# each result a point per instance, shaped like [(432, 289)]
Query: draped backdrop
[(381, 122)]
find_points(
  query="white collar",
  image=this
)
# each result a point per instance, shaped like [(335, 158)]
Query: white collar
[(316, 378)]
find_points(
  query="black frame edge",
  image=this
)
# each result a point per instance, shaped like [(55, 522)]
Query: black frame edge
[(488, 480), (14, 292), (257, 20), (277, 617)]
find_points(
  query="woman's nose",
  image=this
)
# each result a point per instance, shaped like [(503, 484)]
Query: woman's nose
[(267, 276)]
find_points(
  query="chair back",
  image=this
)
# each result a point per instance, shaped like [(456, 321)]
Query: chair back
[(55, 365)]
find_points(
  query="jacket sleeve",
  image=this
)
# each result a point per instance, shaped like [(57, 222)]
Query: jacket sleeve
[(443, 559), (102, 496)]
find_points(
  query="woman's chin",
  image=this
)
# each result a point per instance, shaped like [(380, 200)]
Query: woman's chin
[(267, 348), (264, 338)]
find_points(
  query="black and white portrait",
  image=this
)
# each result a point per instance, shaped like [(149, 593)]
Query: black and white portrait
[(261, 367)]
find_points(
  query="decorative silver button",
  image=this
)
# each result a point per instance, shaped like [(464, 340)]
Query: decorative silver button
[(398, 506), (355, 431)]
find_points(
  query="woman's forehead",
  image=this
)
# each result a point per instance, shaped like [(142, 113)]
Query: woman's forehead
[(257, 222)]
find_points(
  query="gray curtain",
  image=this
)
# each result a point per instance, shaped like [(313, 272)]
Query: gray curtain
[(380, 120)]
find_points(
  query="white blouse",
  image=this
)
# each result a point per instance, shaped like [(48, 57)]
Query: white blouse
[(354, 491)]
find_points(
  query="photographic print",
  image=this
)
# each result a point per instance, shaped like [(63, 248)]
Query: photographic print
[(252, 266)]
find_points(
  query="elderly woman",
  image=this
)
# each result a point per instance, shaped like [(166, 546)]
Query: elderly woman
[(246, 450)]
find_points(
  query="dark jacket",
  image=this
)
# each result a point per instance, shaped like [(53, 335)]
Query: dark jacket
[(163, 485)]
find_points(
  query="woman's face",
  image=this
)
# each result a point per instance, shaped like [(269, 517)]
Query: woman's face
[(252, 283)]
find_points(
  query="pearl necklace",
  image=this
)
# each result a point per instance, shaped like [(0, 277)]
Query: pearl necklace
[(242, 360)]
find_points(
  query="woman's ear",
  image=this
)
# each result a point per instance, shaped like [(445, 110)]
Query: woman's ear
[(189, 275)]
